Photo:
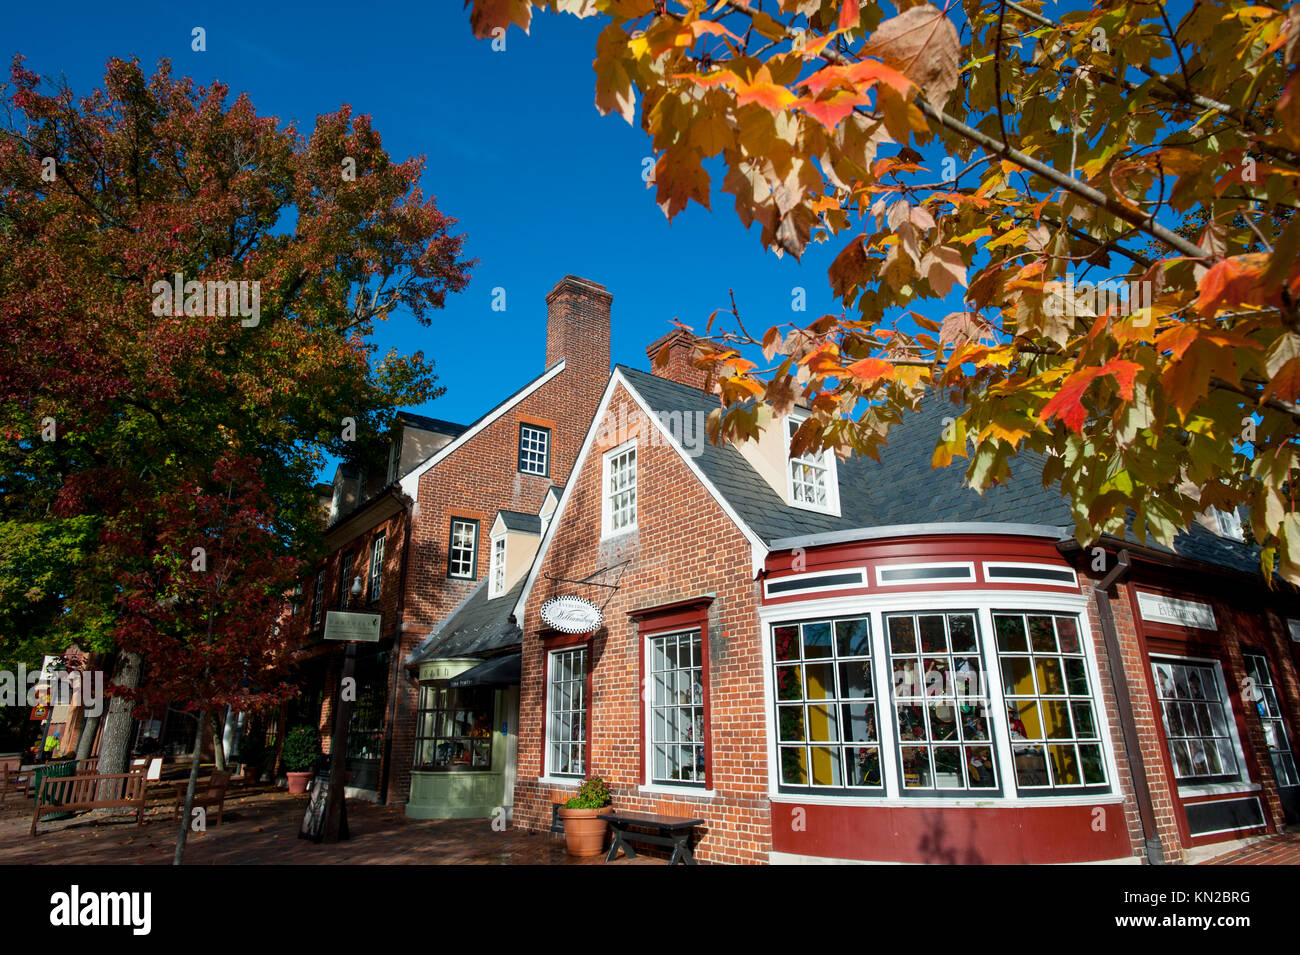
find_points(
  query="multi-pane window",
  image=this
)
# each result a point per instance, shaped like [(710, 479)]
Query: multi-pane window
[(809, 473), (566, 708), (1196, 719), (498, 569), (376, 567), (826, 704), (1053, 726), (462, 552), (676, 709), (453, 728), (345, 580), (295, 602), (620, 490), (318, 600), (534, 449), (1270, 715), (945, 737)]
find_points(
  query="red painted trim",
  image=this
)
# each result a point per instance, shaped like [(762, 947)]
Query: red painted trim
[(556, 640), (686, 608), (681, 615)]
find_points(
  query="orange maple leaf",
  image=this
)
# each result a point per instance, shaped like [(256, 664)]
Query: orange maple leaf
[(1067, 404)]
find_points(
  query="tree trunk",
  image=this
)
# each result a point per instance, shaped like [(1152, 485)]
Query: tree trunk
[(114, 754), (86, 741), (184, 829)]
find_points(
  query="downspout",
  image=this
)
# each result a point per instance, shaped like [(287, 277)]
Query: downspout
[(397, 655), (1155, 852)]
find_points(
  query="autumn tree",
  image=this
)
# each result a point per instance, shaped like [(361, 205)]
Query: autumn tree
[(116, 392), (1027, 156)]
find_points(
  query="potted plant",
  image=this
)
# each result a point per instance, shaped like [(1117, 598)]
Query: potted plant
[(584, 833), (299, 755)]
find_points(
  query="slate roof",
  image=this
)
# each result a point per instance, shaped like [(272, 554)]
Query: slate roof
[(902, 488), (519, 521), (478, 628), (432, 424)]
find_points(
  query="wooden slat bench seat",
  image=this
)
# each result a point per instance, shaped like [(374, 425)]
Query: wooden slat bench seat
[(674, 831), (209, 792), (85, 791)]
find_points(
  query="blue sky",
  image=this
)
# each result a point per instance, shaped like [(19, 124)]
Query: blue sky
[(541, 183)]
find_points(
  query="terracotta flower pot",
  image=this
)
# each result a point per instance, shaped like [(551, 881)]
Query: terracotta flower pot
[(584, 834), (298, 782)]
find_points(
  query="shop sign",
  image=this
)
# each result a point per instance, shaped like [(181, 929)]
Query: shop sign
[(570, 614), (342, 625), (1183, 613)]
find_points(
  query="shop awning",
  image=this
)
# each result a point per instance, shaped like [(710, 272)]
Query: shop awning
[(500, 671)]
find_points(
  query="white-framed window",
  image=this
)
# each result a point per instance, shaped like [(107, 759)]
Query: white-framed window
[(1052, 720), (534, 449), (619, 494), (812, 482), (1276, 736), (1197, 716), (376, 567), (295, 602), (1229, 523), (497, 567), (345, 580), (940, 703), (318, 600), (462, 549), (675, 709), (826, 713), (566, 712)]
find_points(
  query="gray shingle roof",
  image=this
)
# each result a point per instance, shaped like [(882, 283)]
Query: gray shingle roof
[(438, 425), (519, 521), (902, 487), (480, 627)]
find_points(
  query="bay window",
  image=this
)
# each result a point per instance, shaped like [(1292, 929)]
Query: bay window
[(566, 712), (949, 702), (453, 728)]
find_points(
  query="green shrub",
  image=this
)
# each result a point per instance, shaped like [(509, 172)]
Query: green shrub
[(301, 748), (592, 794)]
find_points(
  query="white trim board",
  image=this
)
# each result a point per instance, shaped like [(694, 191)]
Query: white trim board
[(410, 482)]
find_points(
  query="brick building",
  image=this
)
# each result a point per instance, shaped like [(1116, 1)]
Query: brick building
[(412, 540), (861, 660)]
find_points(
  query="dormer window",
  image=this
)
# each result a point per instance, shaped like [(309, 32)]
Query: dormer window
[(497, 571), (812, 481), (1229, 523)]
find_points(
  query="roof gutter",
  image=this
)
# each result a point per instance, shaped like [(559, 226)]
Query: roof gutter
[(1123, 699), (921, 530)]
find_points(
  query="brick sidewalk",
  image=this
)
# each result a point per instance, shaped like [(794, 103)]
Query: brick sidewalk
[(261, 828), (1281, 849)]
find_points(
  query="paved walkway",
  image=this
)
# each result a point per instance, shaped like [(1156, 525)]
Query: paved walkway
[(1281, 849), (261, 828)]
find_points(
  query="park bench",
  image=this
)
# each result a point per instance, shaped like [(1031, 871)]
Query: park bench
[(90, 790), (13, 778), (211, 792), (674, 831)]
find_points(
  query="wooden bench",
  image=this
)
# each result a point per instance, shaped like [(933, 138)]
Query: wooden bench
[(674, 831), (209, 793), (13, 778), (91, 791)]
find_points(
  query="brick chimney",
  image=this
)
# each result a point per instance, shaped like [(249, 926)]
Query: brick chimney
[(681, 348), (577, 326)]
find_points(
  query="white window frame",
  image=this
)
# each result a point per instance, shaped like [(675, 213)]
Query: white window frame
[(1266, 716), (473, 549), (647, 742), (969, 567), (1072, 583), (983, 602), (1245, 782), (551, 655), (375, 584), (827, 464), (545, 450), (1228, 523), (606, 496), (497, 566), (317, 600)]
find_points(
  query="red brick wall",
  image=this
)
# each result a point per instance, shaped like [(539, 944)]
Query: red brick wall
[(684, 547), (679, 368)]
